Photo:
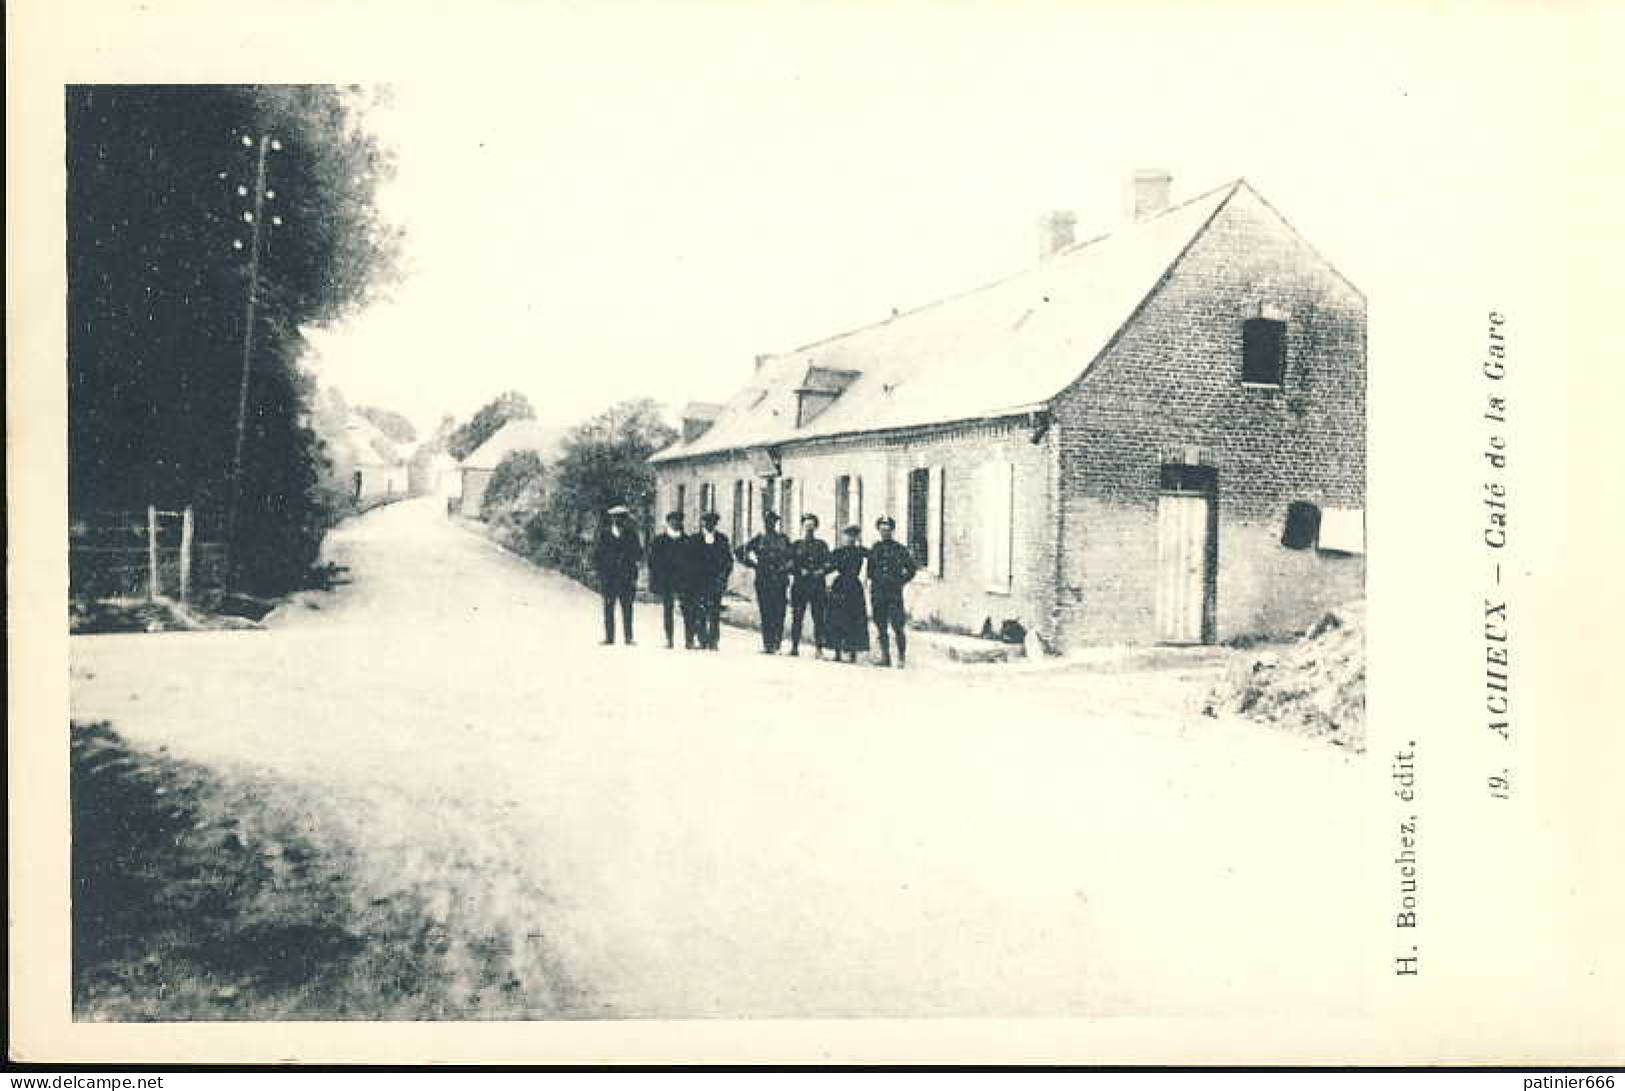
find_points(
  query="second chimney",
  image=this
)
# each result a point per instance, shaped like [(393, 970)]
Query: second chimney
[(1056, 232), (1148, 192)]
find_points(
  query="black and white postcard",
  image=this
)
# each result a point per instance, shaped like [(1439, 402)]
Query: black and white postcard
[(1066, 533)]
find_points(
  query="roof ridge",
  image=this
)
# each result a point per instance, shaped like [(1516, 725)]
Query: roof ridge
[(1008, 277), (1169, 211), (1302, 238), (1229, 190)]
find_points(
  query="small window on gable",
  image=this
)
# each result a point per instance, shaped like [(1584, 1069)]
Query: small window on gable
[(1302, 525), (1263, 351)]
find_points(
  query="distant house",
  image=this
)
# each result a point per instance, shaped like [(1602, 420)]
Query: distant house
[(1157, 435), (517, 435), (433, 471), (369, 461)]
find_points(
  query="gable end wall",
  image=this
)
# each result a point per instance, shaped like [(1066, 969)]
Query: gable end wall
[(1173, 380)]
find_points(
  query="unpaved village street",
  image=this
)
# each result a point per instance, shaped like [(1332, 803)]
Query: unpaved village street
[(644, 832)]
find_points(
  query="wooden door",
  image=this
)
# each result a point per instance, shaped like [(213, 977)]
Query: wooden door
[(1184, 568)]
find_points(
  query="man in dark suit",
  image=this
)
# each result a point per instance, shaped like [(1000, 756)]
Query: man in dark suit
[(891, 566), (616, 557), (712, 563), (809, 567), (669, 578), (769, 554)]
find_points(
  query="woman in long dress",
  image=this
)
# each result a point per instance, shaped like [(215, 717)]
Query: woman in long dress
[(846, 613)]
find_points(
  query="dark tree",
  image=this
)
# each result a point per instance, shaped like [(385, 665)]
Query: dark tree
[(517, 470), (466, 438), (605, 461), (159, 180)]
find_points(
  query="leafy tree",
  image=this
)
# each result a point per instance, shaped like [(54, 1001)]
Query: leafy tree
[(605, 461), (516, 471), (509, 406), (160, 180)]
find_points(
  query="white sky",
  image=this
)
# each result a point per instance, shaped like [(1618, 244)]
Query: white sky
[(636, 204)]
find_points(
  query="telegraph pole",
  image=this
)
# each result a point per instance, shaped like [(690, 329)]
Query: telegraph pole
[(266, 145)]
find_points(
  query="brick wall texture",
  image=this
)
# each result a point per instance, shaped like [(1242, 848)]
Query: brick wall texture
[(1084, 565)]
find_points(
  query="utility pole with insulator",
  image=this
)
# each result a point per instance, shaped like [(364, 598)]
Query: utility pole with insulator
[(254, 218)]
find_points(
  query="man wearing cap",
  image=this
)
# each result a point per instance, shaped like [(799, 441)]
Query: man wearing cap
[(710, 564), (769, 554), (809, 564), (616, 556), (669, 578), (891, 566)]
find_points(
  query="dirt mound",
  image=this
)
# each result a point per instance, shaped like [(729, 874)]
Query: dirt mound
[(1315, 686)]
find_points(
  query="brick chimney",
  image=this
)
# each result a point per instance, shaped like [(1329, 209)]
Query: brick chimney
[(1148, 192), (1056, 232)]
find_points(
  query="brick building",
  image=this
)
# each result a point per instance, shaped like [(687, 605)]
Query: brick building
[(1156, 435)]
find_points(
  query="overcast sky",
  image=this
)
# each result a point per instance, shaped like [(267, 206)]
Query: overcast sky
[(637, 204)]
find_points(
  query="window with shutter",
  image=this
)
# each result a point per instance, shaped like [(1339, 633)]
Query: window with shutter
[(739, 511), (937, 520), (843, 503), (919, 516), (996, 509)]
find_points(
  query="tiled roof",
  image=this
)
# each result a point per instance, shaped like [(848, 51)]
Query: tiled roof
[(1000, 349)]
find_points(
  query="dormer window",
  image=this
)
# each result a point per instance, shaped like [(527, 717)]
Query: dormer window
[(1263, 352), (819, 388)]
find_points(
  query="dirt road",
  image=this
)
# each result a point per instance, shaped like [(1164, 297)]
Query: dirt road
[(643, 832)]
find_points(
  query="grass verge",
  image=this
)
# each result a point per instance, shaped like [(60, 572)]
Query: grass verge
[(198, 897)]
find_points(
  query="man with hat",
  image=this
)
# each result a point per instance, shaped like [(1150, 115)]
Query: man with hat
[(891, 566), (669, 578), (616, 557), (769, 554), (710, 564), (809, 564)]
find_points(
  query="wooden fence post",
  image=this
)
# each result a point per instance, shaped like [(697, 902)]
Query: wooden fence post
[(152, 553), (186, 554)]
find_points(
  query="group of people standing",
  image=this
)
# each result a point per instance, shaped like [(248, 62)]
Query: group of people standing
[(689, 572)]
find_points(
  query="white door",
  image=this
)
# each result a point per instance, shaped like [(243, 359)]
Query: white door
[(1183, 571)]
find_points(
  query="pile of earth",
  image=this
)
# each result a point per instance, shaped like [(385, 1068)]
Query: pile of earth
[(1314, 686)]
